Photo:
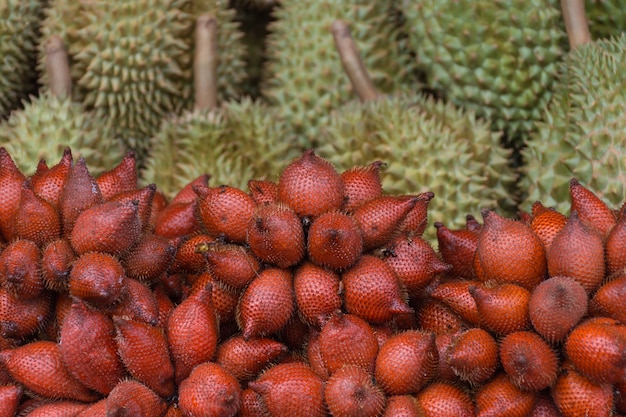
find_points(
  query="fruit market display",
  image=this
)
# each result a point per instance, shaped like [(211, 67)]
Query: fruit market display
[(207, 208)]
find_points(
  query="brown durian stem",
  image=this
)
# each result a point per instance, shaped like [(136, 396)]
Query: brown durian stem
[(58, 67), (576, 22), (205, 63), (352, 63)]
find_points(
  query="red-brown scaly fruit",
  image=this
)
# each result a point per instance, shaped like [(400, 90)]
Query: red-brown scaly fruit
[(597, 348), (347, 339), (473, 355), (144, 198), (80, 192), (591, 210), (267, 304), (131, 398), (528, 360), (503, 308), (10, 396), (263, 191), (443, 399), (407, 362), (20, 269), (351, 392), (434, 316), (291, 389), (334, 241), (456, 295), (177, 219), (510, 252), (416, 220), (556, 306), (414, 262), (616, 246), (225, 298), (11, 180), (120, 178), (576, 395), (380, 218), (97, 278), (88, 348), (372, 291), (578, 252), (275, 235), (317, 293), (187, 194), (457, 249), (546, 223), (97, 409), (609, 299), (111, 227), (403, 406), (150, 258), (443, 342), (234, 265), (192, 332), (244, 359), (310, 185), (500, 397), (138, 303), (545, 407), (164, 303), (47, 183), (36, 219), (60, 408), (21, 318), (361, 184), (313, 354), (56, 263), (145, 354), (225, 211), (190, 254), (210, 390), (39, 367), (252, 404)]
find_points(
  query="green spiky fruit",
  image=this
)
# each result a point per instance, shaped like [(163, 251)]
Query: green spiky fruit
[(584, 132), (19, 31), (48, 124), (429, 146), (304, 75), (243, 140), (606, 17), (498, 58)]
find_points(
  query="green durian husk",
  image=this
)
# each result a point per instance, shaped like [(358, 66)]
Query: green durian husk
[(428, 145), (304, 76), (19, 32), (584, 132), (496, 58), (241, 141), (48, 124), (606, 17)]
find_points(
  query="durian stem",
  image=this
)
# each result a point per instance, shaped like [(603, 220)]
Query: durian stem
[(205, 63), (576, 22), (352, 63), (58, 67)]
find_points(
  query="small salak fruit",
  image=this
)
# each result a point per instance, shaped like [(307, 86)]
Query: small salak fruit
[(545, 406), (590, 208), (456, 295), (457, 248), (334, 241), (380, 218), (58, 408), (97, 278), (500, 397), (503, 308), (234, 265), (145, 198), (150, 258), (210, 390), (317, 293), (546, 223), (528, 360), (434, 316), (36, 219), (403, 406), (47, 182), (244, 359), (20, 264), (616, 246), (443, 399), (361, 184), (21, 318), (609, 299), (473, 355), (351, 392), (177, 219), (121, 178), (10, 396), (132, 398), (576, 395), (416, 219), (56, 262), (11, 180), (263, 191)]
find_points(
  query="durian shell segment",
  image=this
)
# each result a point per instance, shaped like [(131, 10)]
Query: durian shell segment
[(606, 17), (19, 32), (304, 76), (243, 140), (497, 58), (430, 146), (48, 124), (584, 131)]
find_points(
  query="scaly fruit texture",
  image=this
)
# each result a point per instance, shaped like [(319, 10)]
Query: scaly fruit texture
[(304, 75), (49, 124), (244, 140), (606, 17), (583, 132), (19, 29), (498, 58), (429, 146)]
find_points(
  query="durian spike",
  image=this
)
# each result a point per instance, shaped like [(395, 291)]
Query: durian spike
[(576, 22), (352, 62), (206, 56), (58, 67)]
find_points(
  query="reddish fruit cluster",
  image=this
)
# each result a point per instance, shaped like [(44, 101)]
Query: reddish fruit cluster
[(313, 295)]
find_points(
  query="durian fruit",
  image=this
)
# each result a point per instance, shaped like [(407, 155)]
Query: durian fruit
[(495, 58), (233, 143), (430, 145), (303, 76), (52, 122), (584, 131), (19, 31), (606, 17)]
